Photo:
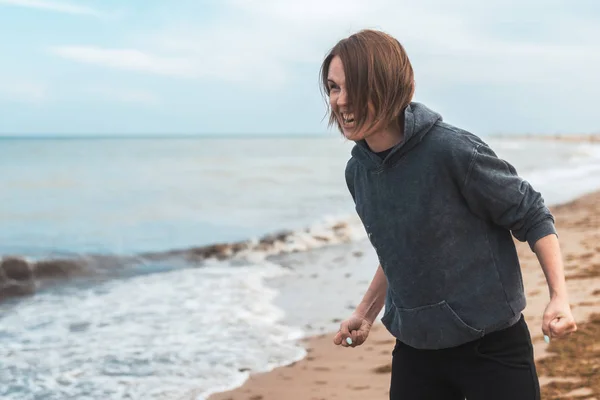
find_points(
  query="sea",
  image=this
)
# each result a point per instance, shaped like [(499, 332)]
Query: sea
[(175, 267)]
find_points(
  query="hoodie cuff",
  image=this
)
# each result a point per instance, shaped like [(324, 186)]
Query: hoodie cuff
[(544, 228)]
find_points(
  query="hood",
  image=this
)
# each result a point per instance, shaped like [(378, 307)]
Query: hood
[(418, 121)]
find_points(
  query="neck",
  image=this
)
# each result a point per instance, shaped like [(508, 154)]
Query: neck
[(386, 138)]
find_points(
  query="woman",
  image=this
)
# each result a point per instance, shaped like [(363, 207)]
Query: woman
[(439, 208)]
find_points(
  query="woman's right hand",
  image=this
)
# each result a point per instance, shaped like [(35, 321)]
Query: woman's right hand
[(356, 328)]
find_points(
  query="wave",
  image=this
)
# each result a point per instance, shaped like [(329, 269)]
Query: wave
[(322, 234), (23, 276)]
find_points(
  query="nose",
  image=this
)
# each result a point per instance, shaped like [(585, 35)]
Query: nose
[(342, 99)]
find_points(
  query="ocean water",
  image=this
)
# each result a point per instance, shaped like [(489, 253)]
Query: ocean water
[(142, 310)]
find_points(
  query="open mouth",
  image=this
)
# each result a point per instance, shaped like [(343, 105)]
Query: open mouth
[(347, 118)]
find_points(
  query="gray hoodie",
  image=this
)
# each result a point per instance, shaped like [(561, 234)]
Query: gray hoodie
[(439, 211)]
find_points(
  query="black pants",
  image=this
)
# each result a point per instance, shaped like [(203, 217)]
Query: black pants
[(498, 366)]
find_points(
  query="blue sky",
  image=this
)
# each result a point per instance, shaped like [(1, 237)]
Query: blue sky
[(251, 66)]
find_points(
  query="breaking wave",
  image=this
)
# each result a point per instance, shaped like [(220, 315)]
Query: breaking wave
[(22, 276)]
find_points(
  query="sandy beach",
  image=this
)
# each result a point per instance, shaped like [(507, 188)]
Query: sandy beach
[(568, 369)]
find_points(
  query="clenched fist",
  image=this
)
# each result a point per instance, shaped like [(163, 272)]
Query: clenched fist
[(356, 328), (558, 322)]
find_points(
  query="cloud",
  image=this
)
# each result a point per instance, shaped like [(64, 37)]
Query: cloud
[(194, 59), (447, 41), (23, 91), (125, 95), (262, 42), (55, 7), (127, 59)]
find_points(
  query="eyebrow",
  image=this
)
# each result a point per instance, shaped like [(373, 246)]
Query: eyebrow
[(331, 80)]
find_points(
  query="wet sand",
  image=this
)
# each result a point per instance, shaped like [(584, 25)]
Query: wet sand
[(568, 368)]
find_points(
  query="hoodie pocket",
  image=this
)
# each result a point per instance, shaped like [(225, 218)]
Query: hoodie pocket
[(435, 326)]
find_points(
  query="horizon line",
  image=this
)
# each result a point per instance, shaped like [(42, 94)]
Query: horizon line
[(33, 136)]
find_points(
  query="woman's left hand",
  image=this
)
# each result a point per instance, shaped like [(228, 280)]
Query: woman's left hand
[(558, 320)]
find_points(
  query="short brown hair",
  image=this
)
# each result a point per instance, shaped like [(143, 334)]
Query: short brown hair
[(378, 74)]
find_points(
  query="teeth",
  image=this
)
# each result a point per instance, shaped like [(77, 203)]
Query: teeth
[(347, 117)]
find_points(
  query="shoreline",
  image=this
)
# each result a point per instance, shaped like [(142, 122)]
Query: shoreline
[(574, 138), (566, 367)]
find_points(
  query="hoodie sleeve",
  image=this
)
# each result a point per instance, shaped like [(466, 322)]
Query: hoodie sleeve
[(495, 192)]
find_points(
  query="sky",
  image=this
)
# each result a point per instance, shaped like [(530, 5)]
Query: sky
[(115, 67)]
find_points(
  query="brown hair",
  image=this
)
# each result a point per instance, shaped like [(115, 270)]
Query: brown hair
[(378, 73)]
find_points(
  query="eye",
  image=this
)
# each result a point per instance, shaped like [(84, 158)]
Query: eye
[(333, 87)]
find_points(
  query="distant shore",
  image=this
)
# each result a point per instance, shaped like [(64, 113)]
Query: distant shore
[(575, 138), (567, 368)]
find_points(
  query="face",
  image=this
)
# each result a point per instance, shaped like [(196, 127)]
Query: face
[(338, 98)]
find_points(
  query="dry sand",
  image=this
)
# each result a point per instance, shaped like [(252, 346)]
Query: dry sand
[(568, 368)]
